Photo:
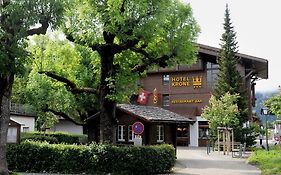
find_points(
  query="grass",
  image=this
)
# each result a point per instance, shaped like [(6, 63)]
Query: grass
[(268, 161)]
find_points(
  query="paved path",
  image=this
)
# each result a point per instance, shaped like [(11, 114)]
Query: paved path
[(195, 161)]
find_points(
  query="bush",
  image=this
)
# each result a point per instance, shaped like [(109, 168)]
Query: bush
[(41, 138), (268, 161), (32, 156), (54, 137), (73, 159)]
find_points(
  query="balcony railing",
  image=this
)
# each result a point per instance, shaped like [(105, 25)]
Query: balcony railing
[(20, 109)]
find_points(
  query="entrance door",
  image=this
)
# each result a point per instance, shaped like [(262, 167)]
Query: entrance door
[(183, 135)]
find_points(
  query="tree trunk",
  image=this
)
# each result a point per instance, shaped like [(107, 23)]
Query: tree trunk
[(6, 82), (107, 122), (107, 106)]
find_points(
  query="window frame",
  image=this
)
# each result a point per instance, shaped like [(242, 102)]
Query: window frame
[(131, 133), (121, 138), (165, 79), (160, 133), (165, 100)]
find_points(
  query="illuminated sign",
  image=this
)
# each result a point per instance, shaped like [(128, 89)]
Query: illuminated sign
[(181, 101), (184, 81)]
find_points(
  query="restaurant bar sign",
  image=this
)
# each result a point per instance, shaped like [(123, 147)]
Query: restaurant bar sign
[(183, 101), (186, 81)]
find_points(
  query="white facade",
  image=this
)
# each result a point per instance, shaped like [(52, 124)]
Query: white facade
[(27, 122), (67, 126), (194, 132)]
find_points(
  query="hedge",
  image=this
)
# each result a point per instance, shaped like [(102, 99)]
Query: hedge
[(38, 157), (53, 137)]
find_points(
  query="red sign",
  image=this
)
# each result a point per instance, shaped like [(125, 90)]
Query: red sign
[(142, 98), (138, 127)]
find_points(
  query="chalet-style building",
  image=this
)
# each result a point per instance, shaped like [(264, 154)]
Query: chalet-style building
[(170, 105), (186, 90)]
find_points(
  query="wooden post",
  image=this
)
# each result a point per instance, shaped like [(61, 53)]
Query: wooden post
[(219, 140), (232, 137), (228, 141), (223, 140)]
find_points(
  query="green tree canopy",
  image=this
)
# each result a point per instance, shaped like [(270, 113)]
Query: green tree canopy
[(128, 38), (274, 104), (18, 20), (222, 112)]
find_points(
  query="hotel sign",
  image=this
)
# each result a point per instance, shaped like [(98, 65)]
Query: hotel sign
[(184, 81)]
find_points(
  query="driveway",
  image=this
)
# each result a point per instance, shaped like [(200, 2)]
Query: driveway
[(195, 161)]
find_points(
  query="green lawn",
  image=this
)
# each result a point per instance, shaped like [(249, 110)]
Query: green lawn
[(268, 161)]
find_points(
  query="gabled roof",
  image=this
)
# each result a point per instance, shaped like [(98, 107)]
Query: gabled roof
[(153, 114), (259, 66)]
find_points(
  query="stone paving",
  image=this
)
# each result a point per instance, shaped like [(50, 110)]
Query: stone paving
[(195, 161)]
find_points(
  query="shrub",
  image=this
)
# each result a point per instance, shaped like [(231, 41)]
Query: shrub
[(41, 138), (73, 159), (32, 156), (268, 161), (60, 137)]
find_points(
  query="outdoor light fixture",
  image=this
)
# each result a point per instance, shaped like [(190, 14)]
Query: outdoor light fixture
[(264, 111)]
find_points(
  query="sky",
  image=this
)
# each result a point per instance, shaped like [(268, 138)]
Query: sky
[(258, 30)]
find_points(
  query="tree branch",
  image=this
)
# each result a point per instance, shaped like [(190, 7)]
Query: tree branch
[(59, 113), (40, 30), (148, 60), (70, 86), (69, 37)]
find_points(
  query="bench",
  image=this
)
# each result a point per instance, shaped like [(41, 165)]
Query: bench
[(238, 148)]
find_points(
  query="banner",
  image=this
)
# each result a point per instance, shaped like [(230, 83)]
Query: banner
[(155, 96)]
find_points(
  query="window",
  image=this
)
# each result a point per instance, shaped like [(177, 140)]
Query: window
[(212, 73), (25, 129), (121, 133), (203, 133), (131, 134), (160, 133), (182, 132), (166, 79), (166, 100), (12, 135)]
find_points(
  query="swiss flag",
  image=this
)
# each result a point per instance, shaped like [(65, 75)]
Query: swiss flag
[(143, 97)]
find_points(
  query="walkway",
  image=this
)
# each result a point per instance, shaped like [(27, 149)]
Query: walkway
[(195, 161)]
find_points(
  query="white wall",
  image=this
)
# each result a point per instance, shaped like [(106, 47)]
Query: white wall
[(25, 121), (67, 126), (194, 134)]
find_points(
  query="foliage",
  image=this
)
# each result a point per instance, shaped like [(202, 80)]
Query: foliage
[(114, 44), (274, 104), (268, 161), (40, 138), (54, 137), (229, 78), (18, 20), (222, 112), (74, 62), (54, 158)]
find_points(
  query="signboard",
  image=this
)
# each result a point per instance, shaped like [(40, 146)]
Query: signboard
[(138, 127), (137, 140)]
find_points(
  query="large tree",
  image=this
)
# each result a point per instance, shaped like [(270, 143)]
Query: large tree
[(18, 20), (229, 78), (128, 37)]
